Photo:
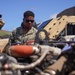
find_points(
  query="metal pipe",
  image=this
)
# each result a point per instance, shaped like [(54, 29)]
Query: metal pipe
[(29, 66)]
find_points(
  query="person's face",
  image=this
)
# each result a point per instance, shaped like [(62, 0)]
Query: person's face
[(28, 21)]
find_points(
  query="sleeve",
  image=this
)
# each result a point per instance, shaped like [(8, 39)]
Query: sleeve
[(12, 37)]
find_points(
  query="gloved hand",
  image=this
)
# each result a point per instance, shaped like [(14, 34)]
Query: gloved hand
[(30, 42)]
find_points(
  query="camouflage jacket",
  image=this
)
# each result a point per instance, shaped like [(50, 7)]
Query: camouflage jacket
[(18, 36)]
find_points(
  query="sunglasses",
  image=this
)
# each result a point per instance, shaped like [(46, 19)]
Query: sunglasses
[(29, 21)]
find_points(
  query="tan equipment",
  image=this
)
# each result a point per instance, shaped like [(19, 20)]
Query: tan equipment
[(57, 25)]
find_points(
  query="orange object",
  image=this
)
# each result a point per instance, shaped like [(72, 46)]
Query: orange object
[(21, 50)]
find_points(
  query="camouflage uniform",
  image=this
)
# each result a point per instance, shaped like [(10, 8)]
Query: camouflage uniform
[(19, 37)]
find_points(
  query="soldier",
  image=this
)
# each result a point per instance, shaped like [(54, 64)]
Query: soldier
[(1, 22), (26, 31)]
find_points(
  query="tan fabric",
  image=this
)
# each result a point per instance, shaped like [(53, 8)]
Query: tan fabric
[(3, 43), (72, 73)]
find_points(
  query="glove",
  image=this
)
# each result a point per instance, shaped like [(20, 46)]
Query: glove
[(30, 42)]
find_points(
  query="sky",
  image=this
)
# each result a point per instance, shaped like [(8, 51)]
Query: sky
[(12, 10)]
